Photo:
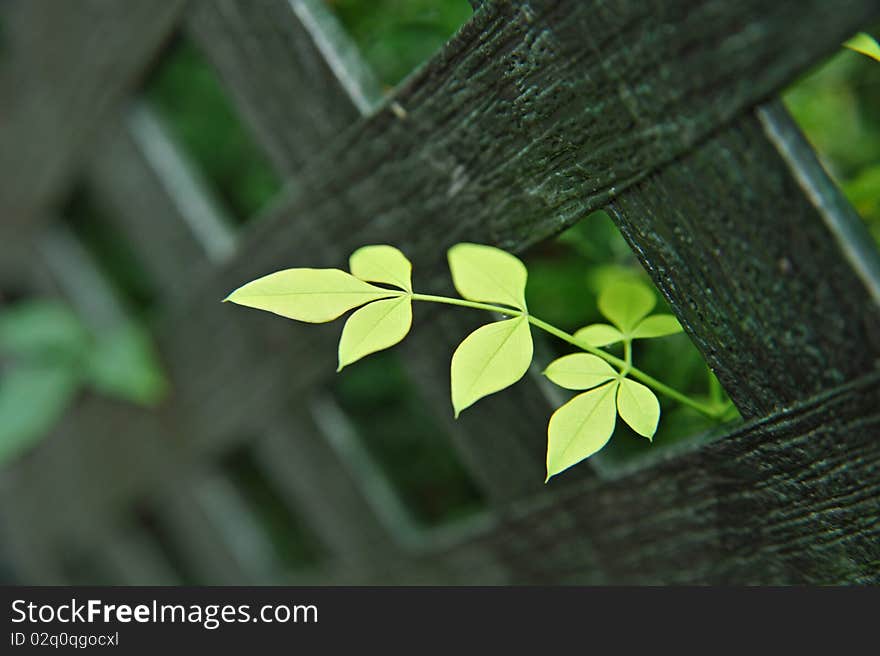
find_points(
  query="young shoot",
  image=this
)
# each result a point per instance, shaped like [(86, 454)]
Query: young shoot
[(499, 353)]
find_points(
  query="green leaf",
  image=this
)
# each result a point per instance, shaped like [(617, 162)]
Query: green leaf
[(312, 295), (580, 428), (42, 329), (33, 399), (491, 358), (488, 275), (383, 264), (658, 325), (124, 365), (375, 327), (599, 334), (626, 303), (579, 371), (638, 407), (865, 44)]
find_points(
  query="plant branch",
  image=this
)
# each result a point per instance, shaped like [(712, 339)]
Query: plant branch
[(625, 366)]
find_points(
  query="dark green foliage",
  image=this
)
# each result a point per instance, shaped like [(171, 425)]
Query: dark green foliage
[(186, 92), (565, 277), (837, 105), (110, 251), (406, 440), (293, 544), (395, 36)]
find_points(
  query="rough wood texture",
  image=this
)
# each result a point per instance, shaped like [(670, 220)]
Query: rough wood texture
[(792, 498), (767, 290), (174, 230), (70, 65)]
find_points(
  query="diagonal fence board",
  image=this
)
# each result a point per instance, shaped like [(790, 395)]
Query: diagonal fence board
[(123, 179), (791, 498), (746, 255), (71, 64)]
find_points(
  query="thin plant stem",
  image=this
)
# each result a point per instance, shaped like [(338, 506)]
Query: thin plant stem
[(625, 366)]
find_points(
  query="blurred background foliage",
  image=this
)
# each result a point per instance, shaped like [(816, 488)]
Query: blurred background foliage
[(836, 105)]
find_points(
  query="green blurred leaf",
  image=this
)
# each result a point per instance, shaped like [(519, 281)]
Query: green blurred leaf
[(32, 399), (42, 329), (599, 334), (375, 327), (626, 303), (658, 325), (865, 44), (491, 358), (124, 365)]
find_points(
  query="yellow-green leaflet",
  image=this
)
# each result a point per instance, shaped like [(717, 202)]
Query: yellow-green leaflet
[(491, 358), (638, 406), (658, 325), (488, 275), (865, 44), (375, 327), (312, 295), (579, 371), (625, 304), (580, 428), (599, 334), (383, 264)]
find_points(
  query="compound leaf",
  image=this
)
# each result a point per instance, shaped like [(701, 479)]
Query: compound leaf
[(312, 295), (865, 44), (580, 428), (488, 275), (625, 304), (658, 325), (374, 327), (491, 358), (599, 334), (579, 371), (382, 263), (638, 407)]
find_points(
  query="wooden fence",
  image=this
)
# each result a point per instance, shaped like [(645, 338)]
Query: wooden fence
[(534, 114)]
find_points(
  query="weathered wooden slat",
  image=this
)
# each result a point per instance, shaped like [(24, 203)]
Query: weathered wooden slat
[(68, 66), (175, 234), (792, 498), (135, 560), (298, 460), (200, 540), (290, 69), (746, 254)]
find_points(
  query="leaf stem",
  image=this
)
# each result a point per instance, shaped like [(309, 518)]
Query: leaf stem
[(625, 366)]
